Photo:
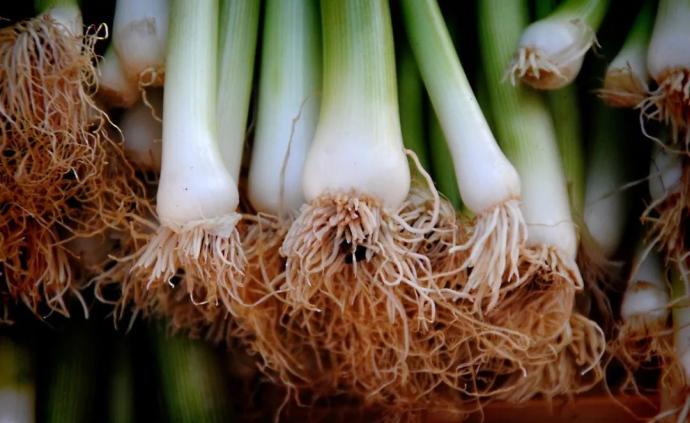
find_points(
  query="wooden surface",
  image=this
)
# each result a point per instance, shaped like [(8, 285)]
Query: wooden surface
[(600, 409)]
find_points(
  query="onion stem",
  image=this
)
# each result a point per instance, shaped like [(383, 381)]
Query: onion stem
[(191, 380), (239, 23), (411, 97), (442, 168)]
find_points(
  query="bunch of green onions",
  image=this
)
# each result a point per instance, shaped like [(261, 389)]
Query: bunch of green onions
[(347, 244)]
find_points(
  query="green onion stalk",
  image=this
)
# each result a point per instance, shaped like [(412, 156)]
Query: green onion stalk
[(551, 50), (603, 220), (542, 308), (668, 62), (191, 381), (488, 183), (17, 387), (72, 383), (358, 288), (442, 163), (626, 82), (63, 174), (197, 250), (411, 100)]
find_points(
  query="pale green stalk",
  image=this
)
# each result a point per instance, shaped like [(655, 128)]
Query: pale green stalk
[(411, 99), (358, 146), (239, 23), (288, 105), (442, 163), (192, 382), (606, 206), (565, 111), (589, 11)]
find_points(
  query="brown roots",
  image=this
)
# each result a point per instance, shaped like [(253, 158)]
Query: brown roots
[(575, 369), (36, 269), (670, 104), (622, 88), (542, 306), (327, 333), (675, 394), (351, 237), (639, 341), (348, 331), (58, 154), (211, 263), (493, 253), (600, 276)]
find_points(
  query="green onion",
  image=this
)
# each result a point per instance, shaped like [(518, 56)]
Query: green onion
[(140, 32), (289, 97), (355, 278), (356, 171), (488, 183), (625, 83), (358, 142), (197, 195), (551, 50), (525, 131)]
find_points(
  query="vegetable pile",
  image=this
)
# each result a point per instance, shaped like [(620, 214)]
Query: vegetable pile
[(372, 215)]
